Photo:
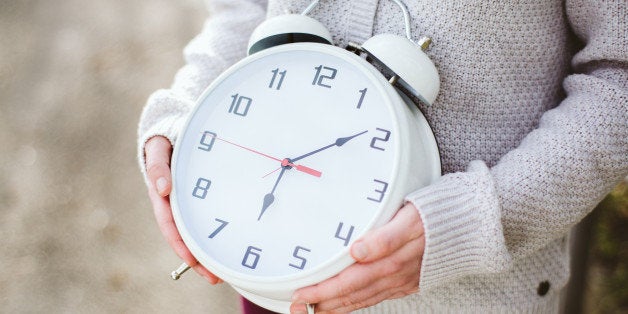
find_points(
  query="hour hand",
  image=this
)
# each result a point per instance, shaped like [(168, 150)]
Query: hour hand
[(338, 142)]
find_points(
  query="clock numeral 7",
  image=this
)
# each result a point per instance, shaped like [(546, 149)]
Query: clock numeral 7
[(223, 224), (240, 105), (380, 139), (281, 75), (303, 260), (380, 193), (254, 252), (347, 236), (319, 77), (200, 190), (207, 141)]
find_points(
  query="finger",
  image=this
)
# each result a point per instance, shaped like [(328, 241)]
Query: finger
[(404, 227), (158, 151)]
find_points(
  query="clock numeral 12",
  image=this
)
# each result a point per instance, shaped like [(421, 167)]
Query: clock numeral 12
[(200, 190), (238, 102), (281, 75), (207, 141), (381, 192), (319, 77), (362, 94), (223, 224), (346, 238), (301, 258), (254, 252), (381, 139)]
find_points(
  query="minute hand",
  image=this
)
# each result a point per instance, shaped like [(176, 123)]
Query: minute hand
[(339, 142)]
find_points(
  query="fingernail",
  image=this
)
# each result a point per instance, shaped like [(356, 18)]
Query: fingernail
[(359, 251), (161, 185)]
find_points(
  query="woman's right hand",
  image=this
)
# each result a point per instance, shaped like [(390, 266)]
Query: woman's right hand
[(158, 151)]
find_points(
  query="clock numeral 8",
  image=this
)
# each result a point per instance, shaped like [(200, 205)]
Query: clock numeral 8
[(251, 251), (237, 103), (200, 190)]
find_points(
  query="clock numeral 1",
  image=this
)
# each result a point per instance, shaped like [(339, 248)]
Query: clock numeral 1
[(346, 238), (223, 224), (301, 258), (319, 77), (254, 252), (362, 94), (200, 190), (381, 139), (380, 193), (238, 103), (281, 75), (207, 141)]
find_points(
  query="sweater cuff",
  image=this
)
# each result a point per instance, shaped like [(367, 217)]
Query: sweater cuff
[(463, 230)]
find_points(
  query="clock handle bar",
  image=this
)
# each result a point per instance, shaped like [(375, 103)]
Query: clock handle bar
[(176, 274)]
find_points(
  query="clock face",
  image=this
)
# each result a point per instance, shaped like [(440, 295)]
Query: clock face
[(284, 163)]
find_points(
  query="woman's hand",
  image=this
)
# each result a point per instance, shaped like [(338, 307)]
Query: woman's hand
[(158, 151), (388, 267)]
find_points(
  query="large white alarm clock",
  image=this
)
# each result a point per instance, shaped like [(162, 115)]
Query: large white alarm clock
[(295, 152)]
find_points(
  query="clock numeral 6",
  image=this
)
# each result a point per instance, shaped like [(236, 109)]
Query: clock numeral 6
[(253, 252), (223, 224), (240, 105), (207, 141), (346, 237), (200, 190), (380, 139), (303, 260), (380, 193), (319, 77)]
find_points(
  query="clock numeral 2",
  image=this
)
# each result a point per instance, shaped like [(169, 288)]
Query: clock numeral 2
[(346, 238), (200, 190), (381, 139), (207, 141), (319, 77), (301, 258), (281, 75), (380, 193), (223, 224), (254, 252), (240, 105)]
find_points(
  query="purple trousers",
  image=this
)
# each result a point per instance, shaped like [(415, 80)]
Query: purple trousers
[(249, 307)]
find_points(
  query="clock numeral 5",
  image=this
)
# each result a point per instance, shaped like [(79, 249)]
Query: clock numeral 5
[(207, 141), (380, 193), (240, 105), (254, 252), (281, 75), (380, 139), (347, 237), (223, 224), (319, 77), (200, 190), (301, 258)]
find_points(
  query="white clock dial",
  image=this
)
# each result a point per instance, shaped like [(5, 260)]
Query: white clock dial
[(285, 163)]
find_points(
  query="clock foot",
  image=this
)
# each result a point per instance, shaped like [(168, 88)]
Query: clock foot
[(176, 274)]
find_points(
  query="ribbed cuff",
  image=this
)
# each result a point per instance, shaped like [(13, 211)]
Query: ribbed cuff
[(463, 231)]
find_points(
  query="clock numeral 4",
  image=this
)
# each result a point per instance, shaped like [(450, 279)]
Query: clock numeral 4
[(251, 257), (380, 139), (303, 260), (223, 224), (380, 193), (281, 75), (347, 237), (240, 105), (201, 188), (320, 77), (207, 141)]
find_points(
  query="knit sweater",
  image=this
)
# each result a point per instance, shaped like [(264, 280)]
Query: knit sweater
[(531, 121)]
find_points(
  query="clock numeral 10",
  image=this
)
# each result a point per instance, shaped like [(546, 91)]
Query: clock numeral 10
[(223, 224), (281, 75), (200, 190), (207, 141), (380, 193), (240, 105), (347, 236), (303, 260), (380, 139), (251, 257), (319, 77)]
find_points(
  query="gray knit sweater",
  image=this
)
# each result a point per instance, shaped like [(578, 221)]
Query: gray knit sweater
[(531, 121)]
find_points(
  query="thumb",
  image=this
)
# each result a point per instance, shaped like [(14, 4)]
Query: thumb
[(158, 151), (404, 227)]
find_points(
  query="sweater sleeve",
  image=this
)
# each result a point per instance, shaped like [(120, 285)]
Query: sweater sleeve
[(221, 43), (482, 220)]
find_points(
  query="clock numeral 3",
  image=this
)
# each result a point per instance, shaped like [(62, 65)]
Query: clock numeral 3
[(240, 105), (319, 77), (301, 258), (281, 75), (223, 224), (380, 139), (253, 252), (200, 190), (380, 193), (207, 141), (347, 237)]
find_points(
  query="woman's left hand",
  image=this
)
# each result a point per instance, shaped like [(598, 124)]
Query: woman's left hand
[(388, 267)]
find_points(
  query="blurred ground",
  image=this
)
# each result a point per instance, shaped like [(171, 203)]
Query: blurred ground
[(76, 230)]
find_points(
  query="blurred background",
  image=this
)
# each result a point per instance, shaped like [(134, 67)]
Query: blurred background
[(77, 231)]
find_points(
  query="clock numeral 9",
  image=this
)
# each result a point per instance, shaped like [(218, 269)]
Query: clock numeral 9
[(281, 75), (347, 237), (380, 139), (301, 258), (207, 141), (254, 252), (238, 102), (319, 77), (380, 193), (200, 190), (223, 224)]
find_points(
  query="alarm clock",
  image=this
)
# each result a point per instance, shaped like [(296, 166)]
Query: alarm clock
[(298, 150)]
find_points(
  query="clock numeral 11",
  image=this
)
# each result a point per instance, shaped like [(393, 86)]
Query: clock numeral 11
[(240, 105), (281, 75), (320, 77), (251, 257), (347, 236)]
